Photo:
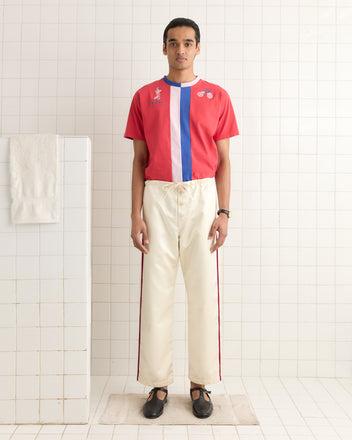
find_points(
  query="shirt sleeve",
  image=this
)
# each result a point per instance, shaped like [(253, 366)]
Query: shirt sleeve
[(134, 127), (227, 124)]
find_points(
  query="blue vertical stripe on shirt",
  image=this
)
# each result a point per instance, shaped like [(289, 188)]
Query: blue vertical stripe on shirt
[(185, 133)]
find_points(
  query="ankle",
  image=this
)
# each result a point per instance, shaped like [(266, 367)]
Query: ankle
[(196, 385)]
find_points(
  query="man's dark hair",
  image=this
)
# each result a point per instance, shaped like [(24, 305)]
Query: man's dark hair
[(176, 22)]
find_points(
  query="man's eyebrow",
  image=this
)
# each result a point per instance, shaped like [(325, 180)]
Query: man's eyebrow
[(186, 39)]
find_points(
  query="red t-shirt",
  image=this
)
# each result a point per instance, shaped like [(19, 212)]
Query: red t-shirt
[(180, 122)]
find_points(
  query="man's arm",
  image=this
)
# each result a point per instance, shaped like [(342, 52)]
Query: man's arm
[(138, 225), (223, 186)]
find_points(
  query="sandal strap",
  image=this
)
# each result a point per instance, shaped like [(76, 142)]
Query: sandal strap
[(200, 389), (158, 388)]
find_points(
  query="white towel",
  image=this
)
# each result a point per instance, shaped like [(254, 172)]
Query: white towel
[(34, 171)]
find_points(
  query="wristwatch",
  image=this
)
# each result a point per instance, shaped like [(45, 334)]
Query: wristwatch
[(225, 211)]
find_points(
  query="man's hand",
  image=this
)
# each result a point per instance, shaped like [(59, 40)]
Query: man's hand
[(139, 228), (220, 225)]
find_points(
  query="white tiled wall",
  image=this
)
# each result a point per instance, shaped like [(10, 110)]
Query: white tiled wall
[(72, 66), (45, 300)]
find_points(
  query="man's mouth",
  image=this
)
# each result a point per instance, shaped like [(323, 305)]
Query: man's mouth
[(181, 59)]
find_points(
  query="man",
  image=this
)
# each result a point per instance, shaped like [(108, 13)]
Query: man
[(180, 126)]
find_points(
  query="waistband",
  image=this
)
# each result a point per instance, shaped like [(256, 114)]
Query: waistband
[(208, 181)]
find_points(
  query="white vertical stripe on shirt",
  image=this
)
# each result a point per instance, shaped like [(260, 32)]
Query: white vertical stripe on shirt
[(175, 127)]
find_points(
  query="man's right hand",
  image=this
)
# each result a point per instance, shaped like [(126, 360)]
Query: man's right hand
[(139, 228)]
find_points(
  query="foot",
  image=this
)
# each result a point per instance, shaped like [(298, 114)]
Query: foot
[(196, 393), (202, 406), (154, 405), (160, 394)]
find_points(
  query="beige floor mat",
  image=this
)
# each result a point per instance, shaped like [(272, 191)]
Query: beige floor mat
[(126, 409)]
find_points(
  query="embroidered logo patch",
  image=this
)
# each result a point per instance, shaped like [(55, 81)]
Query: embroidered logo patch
[(157, 97), (206, 93)]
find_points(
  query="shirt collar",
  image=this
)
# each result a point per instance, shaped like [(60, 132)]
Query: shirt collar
[(186, 84)]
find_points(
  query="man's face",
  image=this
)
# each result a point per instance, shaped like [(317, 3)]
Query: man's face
[(181, 47)]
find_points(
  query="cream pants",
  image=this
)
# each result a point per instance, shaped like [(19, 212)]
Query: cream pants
[(179, 217)]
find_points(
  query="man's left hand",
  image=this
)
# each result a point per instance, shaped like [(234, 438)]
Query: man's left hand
[(220, 225)]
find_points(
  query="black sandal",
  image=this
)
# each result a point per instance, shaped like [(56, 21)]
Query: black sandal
[(201, 408), (154, 407)]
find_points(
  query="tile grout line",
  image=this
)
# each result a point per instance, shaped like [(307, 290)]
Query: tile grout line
[(320, 380), (39, 243), (241, 202), (335, 205), (62, 197), (339, 379), (243, 379), (297, 191), (16, 293), (2, 64), (260, 360), (316, 200), (111, 208), (93, 186), (279, 191), (300, 379), (283, 425), (98, 404), (294, 403)]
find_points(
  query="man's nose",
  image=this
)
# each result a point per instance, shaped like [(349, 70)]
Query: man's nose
[(181, 49)]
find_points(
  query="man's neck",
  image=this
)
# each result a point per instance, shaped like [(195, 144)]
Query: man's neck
[(181, 76)]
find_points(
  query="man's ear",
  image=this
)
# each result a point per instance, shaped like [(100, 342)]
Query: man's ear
[(198, 48), (164, 49)]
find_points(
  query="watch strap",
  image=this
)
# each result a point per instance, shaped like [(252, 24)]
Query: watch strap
[(225, 211)]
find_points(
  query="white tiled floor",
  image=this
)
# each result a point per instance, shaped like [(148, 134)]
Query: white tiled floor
[(287, 409)]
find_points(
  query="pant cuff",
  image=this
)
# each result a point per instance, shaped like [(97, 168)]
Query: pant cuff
[(205, 381), (153, 384)]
